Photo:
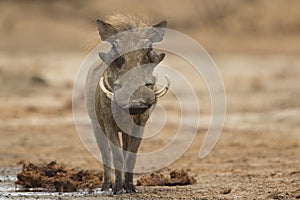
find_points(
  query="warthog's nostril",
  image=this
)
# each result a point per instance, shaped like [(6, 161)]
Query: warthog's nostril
[(138, 102)]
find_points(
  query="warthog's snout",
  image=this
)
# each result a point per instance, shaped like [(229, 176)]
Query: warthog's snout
[(137, 103)]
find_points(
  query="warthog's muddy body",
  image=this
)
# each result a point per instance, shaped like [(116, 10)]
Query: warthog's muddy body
[(122, 98)]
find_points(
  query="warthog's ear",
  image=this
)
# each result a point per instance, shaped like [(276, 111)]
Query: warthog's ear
[(105, 29), (107, 58), (156, 33)]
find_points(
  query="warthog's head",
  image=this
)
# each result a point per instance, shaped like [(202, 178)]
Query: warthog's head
[(129, 79)]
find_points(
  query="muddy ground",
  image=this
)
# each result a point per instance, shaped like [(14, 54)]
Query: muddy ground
[(258, 153)]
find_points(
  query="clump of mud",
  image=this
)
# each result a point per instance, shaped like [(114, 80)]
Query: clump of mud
[(174, 178), (57, 178)]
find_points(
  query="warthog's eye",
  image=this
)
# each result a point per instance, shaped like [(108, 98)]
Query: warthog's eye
[(149, 85), (119, 62)]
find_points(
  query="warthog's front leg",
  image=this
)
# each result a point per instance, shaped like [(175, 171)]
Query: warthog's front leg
[(118, 162), (133, 144), (105, 150)]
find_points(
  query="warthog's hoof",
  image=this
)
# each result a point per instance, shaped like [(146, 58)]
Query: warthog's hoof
[(130, 188), (106, 186), (117, 189)]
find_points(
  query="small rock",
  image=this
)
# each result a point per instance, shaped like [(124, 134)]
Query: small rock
[(39, 81), (226, 191)]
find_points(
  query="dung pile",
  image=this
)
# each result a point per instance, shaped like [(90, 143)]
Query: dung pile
[(175, 177), (57, 178)]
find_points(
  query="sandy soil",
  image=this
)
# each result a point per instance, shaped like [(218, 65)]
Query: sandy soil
[(258, 153)]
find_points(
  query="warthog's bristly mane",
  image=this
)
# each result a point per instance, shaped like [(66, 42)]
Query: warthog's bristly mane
[(121, 22)]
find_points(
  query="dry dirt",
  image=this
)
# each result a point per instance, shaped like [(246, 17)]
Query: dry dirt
[(258, 153)]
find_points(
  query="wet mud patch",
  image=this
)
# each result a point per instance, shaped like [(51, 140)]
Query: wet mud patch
[(170, 178), (58, 178)]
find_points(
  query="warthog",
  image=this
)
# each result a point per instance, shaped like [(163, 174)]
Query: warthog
[(122, 98)]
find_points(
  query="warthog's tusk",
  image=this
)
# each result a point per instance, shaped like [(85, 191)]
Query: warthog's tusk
[(164, 90), (108, 93), (107, 84)]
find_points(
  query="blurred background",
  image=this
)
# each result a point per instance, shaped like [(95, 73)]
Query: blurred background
[(229, 26), (255, 44)]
